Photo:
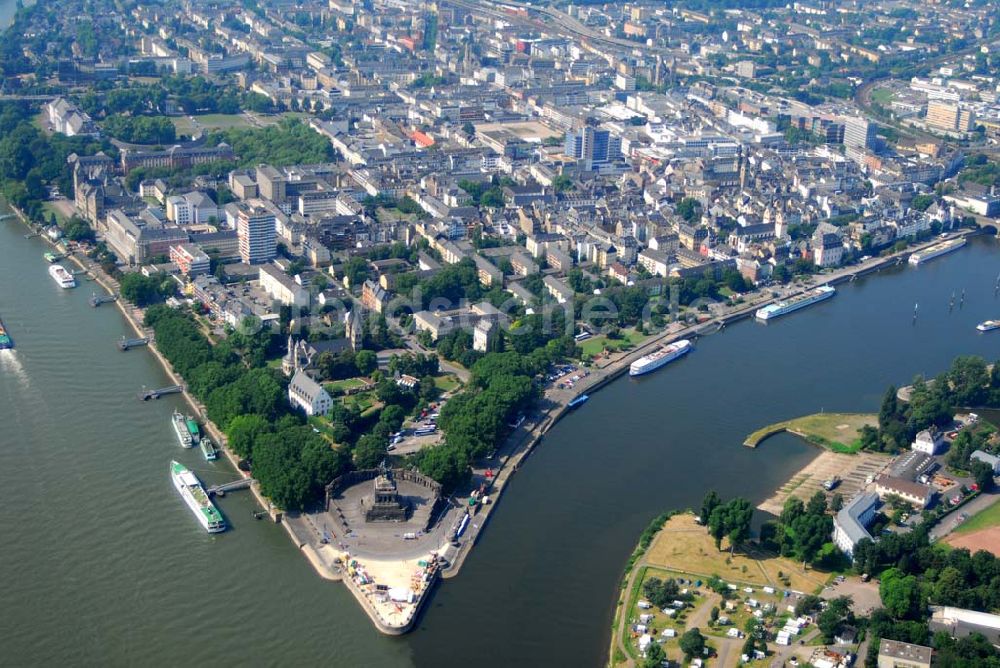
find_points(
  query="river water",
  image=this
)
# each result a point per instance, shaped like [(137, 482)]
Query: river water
[(539, 589), (105, 565)]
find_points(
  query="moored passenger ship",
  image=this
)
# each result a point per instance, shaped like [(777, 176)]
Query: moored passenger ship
[(62, 277), (655, 360), (785, 306)]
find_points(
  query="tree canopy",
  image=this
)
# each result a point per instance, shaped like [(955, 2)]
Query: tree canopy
[(967, 383), (290, 142), (247, 401), (144, 290), (140, 129)]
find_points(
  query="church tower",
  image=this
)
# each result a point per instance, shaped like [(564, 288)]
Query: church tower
[(355, 330), (289, 361)]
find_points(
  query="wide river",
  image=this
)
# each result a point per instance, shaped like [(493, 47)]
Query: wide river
[(104, 565)]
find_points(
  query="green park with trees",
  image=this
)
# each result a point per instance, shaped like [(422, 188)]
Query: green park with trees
[(914, 575), (290, 142), (246, 400), (30, 160), (968, 383), (140, 129)]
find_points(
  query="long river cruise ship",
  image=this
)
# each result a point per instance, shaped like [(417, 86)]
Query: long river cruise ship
[(785, 306), (655, 360)]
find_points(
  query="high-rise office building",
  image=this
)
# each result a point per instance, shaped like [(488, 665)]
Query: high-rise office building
[(942, 115), (859, 133), (950, 117), (966, 120), (255, 230), (594, 147)]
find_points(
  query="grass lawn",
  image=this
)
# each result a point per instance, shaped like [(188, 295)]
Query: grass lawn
[(51, 209), (341, 386), (274, 119), (684, 546), (446, 382), (385, 215), (185, 126), (365, 402), (882, 96), (990, 517), (838, 432), (596, 344), (325, 428)]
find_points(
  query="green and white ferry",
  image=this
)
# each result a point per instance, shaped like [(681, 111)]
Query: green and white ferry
[(208, 450), (196, 498), (193, 429)]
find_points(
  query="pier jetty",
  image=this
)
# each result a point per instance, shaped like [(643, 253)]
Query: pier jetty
[(96, 299), (838, 432), (220, 490), (124, 344), (146, 395)]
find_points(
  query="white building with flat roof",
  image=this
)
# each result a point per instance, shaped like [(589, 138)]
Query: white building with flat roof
[(190, 259), (992, 460), (959, 622)]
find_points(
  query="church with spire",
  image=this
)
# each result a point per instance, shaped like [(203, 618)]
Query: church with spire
[(301, 353)]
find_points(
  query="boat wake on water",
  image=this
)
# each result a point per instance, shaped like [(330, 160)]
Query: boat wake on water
[(11, 366)]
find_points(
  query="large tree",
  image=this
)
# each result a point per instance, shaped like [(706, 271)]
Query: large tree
[(243, 432), (739, 514), (708, 504), (661, 592), (369, 451), (655, 656), (717, 525), (901, 594), (982, 473), (692, 643), (144, 290), (837, 615)]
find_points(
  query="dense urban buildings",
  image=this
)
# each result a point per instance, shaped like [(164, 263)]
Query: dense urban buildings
[(479, 205)]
